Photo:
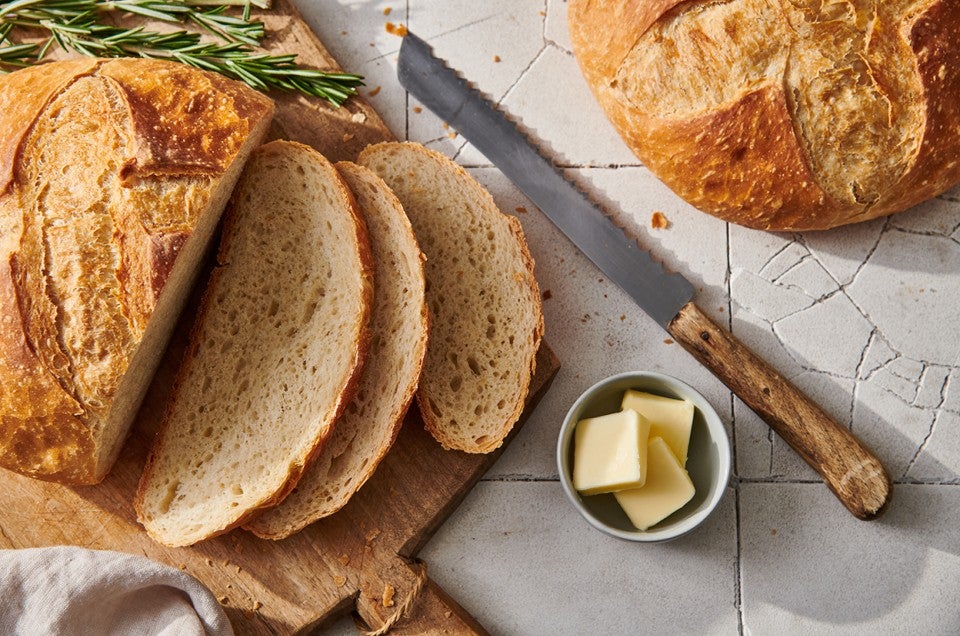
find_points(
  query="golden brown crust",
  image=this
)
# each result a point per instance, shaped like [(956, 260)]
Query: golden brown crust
[(22, 96), (750, 170), (744, 160), (605, 32), (41, 434), (83, 270), (934, 36), (185, 122)]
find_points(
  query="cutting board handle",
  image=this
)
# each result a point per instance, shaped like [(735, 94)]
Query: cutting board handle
[(851, 471), (427, 610)]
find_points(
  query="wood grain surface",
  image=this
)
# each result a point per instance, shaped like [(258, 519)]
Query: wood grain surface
[(850, 470), (343, 563)]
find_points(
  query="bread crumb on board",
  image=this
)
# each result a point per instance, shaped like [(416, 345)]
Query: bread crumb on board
[(417, 110), (658, 221), (521, 210), (250, 612), (388, 592), (387, 11), (396, 29), (344, 559), (496, 59), (547, 294), (339, 579), (372, 535), (374, 91)]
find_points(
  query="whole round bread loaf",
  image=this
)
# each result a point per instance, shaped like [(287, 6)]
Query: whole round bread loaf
[(782, 114)]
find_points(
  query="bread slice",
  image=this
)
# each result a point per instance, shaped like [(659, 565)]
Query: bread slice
[(484, 299), (275, 354), (113, 177), (365, 432)]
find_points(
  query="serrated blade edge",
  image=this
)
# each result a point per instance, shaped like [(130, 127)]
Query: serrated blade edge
[(659, 293)]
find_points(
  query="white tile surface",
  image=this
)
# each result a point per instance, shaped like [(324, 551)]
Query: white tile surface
[(809, 569), (537, 568), (863, 317)]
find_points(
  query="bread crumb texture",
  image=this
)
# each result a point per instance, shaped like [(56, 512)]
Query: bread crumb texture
[(481, 292), (276, 346), (398, 327)]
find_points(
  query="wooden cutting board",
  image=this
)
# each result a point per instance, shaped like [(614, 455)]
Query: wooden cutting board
[(343, 563)]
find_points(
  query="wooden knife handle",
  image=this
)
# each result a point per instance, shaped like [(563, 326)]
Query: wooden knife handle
[(851, 471)]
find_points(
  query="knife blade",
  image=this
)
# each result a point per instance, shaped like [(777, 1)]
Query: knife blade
[(850, 470)]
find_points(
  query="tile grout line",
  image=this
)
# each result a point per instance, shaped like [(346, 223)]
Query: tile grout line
[(737, 565), (737, 482), (406, 93)]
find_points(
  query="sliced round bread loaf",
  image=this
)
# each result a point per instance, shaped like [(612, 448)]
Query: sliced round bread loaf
[(398, 326), (275, 355), (113, 178), (481, 291)]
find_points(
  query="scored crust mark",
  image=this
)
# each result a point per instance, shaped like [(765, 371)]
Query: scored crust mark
[(19, 107), (181, 132), (66, 269), (849, 77)]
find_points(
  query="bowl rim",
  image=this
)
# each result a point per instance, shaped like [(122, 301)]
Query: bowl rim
[(714, 425)]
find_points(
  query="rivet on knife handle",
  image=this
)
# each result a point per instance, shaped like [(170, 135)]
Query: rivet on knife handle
[(849, 469)]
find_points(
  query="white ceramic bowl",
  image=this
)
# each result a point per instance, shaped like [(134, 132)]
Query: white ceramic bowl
[(708, 458)]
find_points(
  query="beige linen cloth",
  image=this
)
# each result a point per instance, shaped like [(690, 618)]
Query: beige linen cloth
[(69, 590)]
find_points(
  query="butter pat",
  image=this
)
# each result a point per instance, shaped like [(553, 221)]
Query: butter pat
[(667, 488), (669, 419), (610, 453)]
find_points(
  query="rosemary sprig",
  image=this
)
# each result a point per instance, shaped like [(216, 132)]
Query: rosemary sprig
[(76, 25)]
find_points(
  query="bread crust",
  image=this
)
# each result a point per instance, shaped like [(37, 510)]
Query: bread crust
[(743, 161), (46, 428)]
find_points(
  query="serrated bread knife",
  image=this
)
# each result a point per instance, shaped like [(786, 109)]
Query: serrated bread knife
[(850, 470)]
